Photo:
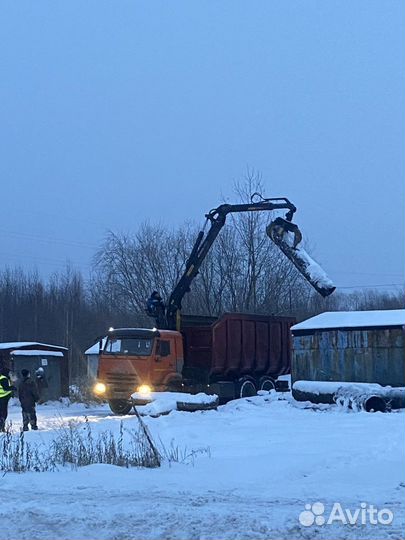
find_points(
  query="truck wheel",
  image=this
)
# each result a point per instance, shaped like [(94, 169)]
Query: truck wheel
[(266, 384), (120, 406), (247, 388), (174, 386)]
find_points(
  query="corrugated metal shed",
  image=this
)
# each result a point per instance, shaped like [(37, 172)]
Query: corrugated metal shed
[(31, 355), (362, 346)]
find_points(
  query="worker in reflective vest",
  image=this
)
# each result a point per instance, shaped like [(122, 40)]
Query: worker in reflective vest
[(6, 391)]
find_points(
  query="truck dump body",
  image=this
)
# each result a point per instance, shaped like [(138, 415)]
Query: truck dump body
[(237, 345)]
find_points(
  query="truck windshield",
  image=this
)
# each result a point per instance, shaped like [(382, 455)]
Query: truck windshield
[(130, 346)]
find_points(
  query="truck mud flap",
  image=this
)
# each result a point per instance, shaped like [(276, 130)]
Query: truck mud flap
[(282, 386), (224, 389)]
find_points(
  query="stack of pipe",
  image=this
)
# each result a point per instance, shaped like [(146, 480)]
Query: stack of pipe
[(369, 397)]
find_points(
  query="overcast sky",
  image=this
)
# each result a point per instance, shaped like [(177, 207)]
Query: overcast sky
[(114, 112)]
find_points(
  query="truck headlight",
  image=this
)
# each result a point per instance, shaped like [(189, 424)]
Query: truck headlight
[(144, 390), (99, 388)]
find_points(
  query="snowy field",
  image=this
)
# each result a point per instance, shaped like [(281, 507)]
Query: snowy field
[(267, 458)]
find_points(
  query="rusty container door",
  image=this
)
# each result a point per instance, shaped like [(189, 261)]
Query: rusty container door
[(248, 357), (262, 347), (234, 346), (275, 357), (197, 353)]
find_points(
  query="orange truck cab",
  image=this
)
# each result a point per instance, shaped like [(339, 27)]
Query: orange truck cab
[(138, 359)]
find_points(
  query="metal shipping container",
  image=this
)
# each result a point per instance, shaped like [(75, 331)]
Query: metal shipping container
[(371, 350)]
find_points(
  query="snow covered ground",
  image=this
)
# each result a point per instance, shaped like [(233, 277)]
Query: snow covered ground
[(268, 457)]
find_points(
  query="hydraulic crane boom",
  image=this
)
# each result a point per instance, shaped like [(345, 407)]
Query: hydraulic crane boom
[(279, 231)]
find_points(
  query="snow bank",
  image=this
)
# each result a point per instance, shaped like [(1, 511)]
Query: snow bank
[(164, 402), (267, 460), (353, 319)]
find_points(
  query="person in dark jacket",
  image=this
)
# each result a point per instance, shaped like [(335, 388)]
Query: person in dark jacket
[(28, 396), (6, 391), (155, 307)]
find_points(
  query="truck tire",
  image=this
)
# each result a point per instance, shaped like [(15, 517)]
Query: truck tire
[(247, 388), (174, 386), (120, 406), (267, 384)]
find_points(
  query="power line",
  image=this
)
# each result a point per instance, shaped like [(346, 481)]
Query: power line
[(62, 216), (6, 256), (372, 286), (396, 274), (48, 240)]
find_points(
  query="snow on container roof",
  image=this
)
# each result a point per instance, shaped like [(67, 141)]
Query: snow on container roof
[(353, 319), (20, 344), (94, 349), (35, 352)]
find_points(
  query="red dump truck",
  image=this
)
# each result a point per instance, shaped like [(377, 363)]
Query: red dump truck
[(233, 356)]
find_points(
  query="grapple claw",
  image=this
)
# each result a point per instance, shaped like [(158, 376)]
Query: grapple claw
[(277, 229)]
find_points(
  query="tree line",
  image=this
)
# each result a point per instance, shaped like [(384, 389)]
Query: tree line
[(243, 272)]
